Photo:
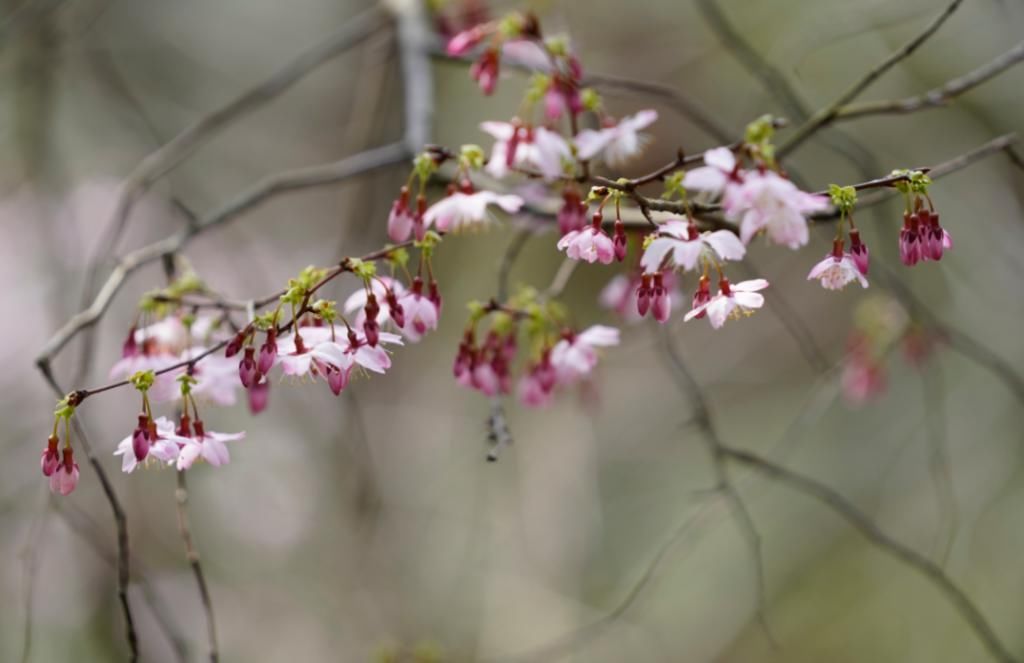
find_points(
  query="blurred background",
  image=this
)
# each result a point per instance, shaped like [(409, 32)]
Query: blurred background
[(370, 527)]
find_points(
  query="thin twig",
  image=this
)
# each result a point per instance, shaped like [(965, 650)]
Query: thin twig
[(827, 114), (939, 96), (181, 501), (934, 574), (933, 392)]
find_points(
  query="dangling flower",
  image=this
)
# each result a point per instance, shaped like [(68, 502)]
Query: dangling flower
[(513, 147), (537, 384), (661, 301), (858, 251), (719, 170), (400, 219), (357, 351), (462, 210), (485, 70), (248, 373), (619, 240), (731, 301), (210, 446), (464, 41), (382, 287), (421, 313), (681, 240), (573, 213), (768, 201), (619, 142), (591, 244), (837, 269), (152, 437), (934, 238), (911, 246), (701, 298), (575, 356), (259, 393), (561, 96), (64, 478), (863, 377)]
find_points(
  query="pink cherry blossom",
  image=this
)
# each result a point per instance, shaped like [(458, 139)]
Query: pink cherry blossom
[(732, 301), (575, 356), (420, 312), (163, 448), (379, 286), (400, 219), (526, 53), (485, 71), (464, 41), (65, 477), (837, 269), (210, 446), (859, 252), (552, 153), (536, 386), (50, 459), (768, 201), (618, 142), (719, 170), (684, 243), (463, 210), (590, 244)]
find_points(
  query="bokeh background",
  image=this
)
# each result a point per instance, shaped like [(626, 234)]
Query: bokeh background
[(371, 525)]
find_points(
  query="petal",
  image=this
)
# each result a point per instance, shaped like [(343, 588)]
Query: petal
[(687, 253), (720, 158), (749, 299), (727, 245), (601, 335), (590, 142), (655, 253), (375, 359), (705, 178), (752, 285)]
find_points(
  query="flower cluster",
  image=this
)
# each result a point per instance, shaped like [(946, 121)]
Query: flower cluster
[(557, 356), (922, 237)]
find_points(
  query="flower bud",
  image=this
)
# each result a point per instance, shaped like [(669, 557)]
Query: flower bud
[(50, 460), (661, 305), (247, 368), (268, 352), (235, 346), (643, 295), (140, 438), (620, 240), (259, 393), (859, 252)]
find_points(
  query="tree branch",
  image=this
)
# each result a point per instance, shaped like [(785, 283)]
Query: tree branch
[(181, 500), (826, 115)]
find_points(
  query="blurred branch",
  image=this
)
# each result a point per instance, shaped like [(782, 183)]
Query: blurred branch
[(934, 393), (931, 572), (939, 96), (826, 115), (181, 500), (744, 521)]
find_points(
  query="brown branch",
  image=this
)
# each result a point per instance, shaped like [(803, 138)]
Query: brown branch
[(826, 115), (120, 522), (939, 96), (934, 574), (181, 500)]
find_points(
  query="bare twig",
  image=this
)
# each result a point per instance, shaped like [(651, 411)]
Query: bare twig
[(181, 501), (939, 96), (748, 529), (827, 114), (933, 573), (933, 391)]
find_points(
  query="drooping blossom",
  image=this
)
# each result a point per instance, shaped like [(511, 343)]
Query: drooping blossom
[(922, 237), (465, 41), (910, 240), (400, 219), (520, 146), (64, 478), (619, 142), (732, 301), (575, 356), (150, 439), (863, 376), (590, 244), (719, 170), (464, 210), (621, 294), (526, 53), (486, 368), (537, 384), (684, 243), (420, 312), (485, 70), (196, 442), (572, 215), (380, 287), (654, 296), (767, 201), (859, 252), (837, 269)]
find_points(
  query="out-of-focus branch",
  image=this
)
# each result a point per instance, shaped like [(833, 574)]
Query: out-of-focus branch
[(826, 115), (744, 521), (181, 501), (933, 573), (291, 180), (939, 96), (933, 393)]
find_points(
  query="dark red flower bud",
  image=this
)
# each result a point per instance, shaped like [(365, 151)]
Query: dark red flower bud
[(259, 393), (619, 240), (268, 352), (51, 459), (247, 368), (235, 346)]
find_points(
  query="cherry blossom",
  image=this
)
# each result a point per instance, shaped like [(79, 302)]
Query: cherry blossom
[(859, 252), (536, 386), (719, 170), (463, 210), (379, 286), (732, 301), (618, 142), (767, 201), (64, 478), (154, 436), (684, 243), (210, 446), (485, 71), (572, 215), (837, 269), (420, 312), (590, 244), (400, 219), (575, 356)]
